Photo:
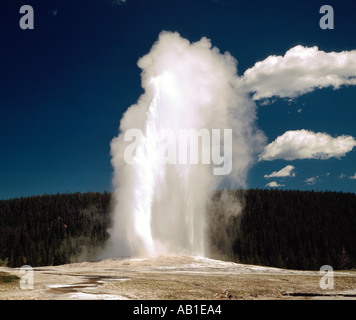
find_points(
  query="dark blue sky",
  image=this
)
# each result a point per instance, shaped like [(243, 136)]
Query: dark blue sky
[(65, 84)]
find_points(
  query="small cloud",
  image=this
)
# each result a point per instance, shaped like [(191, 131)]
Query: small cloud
[(267, 101), (118, 2), (274, 184), (312, 180), (285, 172), (299, 110), (54, 12), (353, 177), (342, 175)]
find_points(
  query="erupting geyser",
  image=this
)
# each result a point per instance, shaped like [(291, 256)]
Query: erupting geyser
[(162, 188)]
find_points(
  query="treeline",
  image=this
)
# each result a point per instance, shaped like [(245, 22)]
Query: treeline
[(288, 229), (53, 229)]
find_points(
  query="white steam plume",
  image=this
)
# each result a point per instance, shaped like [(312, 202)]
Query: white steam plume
[(160, 207)]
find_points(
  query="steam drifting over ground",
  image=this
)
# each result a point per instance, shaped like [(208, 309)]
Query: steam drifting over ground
[(160, 206)]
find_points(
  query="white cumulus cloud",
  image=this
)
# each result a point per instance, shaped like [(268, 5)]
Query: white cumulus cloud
[(287, 171), (353, 177), (304, 144), (274, 184), (300, 70)]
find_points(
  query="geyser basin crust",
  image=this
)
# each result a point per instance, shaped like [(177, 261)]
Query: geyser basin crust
[(176, 277)]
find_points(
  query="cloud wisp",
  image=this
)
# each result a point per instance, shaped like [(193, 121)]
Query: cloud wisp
[(118, 2), (287, 171), (312, 180)]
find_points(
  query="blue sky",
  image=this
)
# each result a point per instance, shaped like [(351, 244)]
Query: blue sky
[(65, 84)]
